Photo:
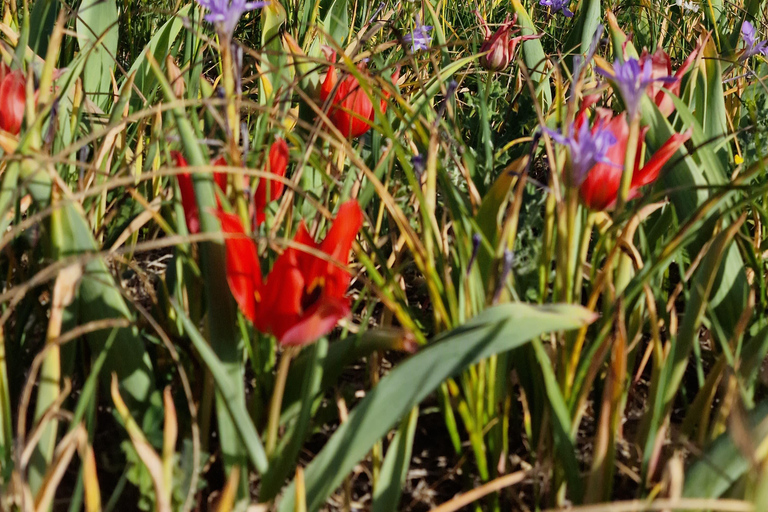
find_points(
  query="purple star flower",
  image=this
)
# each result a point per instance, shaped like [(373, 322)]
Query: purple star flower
[(419, 38), (558, 5), (751, 44), (586, 149), (225, 14), (632, 80)]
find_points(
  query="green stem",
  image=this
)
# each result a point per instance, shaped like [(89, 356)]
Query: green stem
[(233, 122), (487, 144), (277, 399), (629, 163)]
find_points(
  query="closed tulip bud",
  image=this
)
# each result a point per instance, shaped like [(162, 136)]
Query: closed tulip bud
[(13, 95), (498, 49), (175, 76)]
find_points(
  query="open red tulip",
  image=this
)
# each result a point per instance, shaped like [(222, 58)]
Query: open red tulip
[(351, 110), (12, 98), (659, 91), (304, 296), (600, 189), (188, 199), (268, 190)]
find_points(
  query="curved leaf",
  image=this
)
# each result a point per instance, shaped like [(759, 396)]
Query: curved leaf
[(496, 330)]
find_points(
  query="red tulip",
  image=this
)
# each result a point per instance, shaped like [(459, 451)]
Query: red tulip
[(12, 98), (268, 190), (188, 199), (351, 111), (662, 68), (303, 297), (498, 49), (600, 189)]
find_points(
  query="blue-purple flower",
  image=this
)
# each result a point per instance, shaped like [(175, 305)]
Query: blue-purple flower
[(558, 5), (586, 148), (419, 38), (632, 80), (225, 14), (752, 46)]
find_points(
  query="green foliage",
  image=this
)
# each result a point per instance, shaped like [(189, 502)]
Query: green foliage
[(556, 344)]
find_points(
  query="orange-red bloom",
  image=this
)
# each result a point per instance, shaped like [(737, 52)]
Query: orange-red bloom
[(351, 110), (600, 189), (188, 199), (303, 297), (662, 67), (269, 190), (12, 98)]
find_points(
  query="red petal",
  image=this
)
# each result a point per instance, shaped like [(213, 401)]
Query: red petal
[(220, 178), (243, 270), (188, 200), (337, 245), (330, 79), (12, 99), (650, 171), (601, 187), (317, 322)]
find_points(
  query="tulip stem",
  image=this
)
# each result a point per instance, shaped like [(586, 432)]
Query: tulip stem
[(277, 399), (487, 142), (629, 162), (233, 123)]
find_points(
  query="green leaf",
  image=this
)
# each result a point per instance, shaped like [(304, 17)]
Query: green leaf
[(682, 345), (287, 454), (723, 463), (229, 392), (43, 18), (160, 45), (534, 56), (97, 34), (496, 330), (388, 489), (336, 22)]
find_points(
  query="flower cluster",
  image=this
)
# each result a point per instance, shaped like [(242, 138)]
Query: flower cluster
[(752, 46), (558, 6), (225, 14), (419, 37), (586, 148), (632, 78)]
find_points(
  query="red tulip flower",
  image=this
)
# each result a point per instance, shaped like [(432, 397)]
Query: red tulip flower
[(13, 95), (661, 68), (303, 297), (498, 49), (268, 190), (188, 199), (351, 110), (600, 189)]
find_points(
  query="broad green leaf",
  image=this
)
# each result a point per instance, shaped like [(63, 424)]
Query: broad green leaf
[(222, 313), (160, 45), (534, 56), (336, 22), (288, 451), (723, 463), (229, 392), (43, 18), (496, 330), (389, 487), (688, 334), (98, 36)]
